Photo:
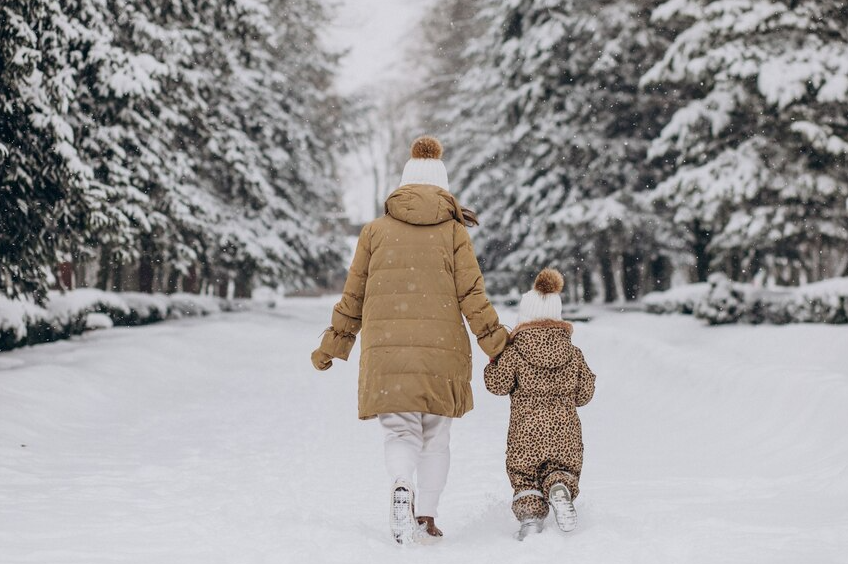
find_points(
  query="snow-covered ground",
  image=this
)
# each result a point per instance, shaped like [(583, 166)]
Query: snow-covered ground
[(214, 441)]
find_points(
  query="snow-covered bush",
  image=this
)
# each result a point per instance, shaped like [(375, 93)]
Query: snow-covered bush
[(822, 302), (146, 308), (68, 311), (98, 321), (722, 301), (193, 304), (682, 299), (22, 322)]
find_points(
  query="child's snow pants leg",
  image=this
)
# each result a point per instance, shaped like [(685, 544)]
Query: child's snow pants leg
[(564, 477), (528, 501), (418, 443), (532, 484)]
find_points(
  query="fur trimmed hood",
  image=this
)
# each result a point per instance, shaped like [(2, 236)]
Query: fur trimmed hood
[(542, 324)]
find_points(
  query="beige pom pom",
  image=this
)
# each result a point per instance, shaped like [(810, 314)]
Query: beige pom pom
[(426, 148), (549, 281)]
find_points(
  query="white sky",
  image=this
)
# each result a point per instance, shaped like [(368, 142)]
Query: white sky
[(374, 32)]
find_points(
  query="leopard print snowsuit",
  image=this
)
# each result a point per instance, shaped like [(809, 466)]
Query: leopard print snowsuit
[(547, 379)]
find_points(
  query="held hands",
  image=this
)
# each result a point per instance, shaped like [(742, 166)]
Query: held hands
[(321, 360)]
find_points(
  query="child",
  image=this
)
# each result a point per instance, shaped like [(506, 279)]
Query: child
[(547, 379)]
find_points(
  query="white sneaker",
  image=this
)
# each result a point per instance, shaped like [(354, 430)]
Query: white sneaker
[(529, 526), (560, 499), (401, 515)]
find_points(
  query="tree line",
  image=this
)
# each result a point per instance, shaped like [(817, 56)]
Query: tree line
[(633, 143), (157, 145)]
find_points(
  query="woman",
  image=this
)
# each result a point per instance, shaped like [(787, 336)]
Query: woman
[(414, 275)]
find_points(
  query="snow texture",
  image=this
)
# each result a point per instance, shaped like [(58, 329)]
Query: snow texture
[(215, 441)]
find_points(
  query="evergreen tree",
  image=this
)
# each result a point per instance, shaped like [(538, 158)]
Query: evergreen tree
[(43, 181), (548, 136), (759, 150), (270, 126), (191, 139)]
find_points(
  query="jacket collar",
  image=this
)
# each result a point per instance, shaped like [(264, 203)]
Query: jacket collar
[(542, 324)]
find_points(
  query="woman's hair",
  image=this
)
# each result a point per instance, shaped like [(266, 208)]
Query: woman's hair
[(469, 218)]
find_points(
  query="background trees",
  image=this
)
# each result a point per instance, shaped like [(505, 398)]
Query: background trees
[(159, 146), (629, 142), (163, 146), (759, 146)]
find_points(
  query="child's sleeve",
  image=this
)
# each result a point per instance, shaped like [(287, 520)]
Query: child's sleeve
[(585, 381), (500, 375)]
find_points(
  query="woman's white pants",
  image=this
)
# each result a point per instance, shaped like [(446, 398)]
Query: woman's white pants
[(418, 442)]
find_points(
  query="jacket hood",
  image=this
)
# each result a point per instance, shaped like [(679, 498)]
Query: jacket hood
[(423, 204), (545, 343)]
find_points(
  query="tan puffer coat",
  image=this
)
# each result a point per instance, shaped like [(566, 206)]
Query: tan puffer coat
[(547, 379), (414, 275)]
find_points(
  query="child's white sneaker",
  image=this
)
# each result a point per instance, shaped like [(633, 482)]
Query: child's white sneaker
[(402, 513), (560, 499), (530, 526)]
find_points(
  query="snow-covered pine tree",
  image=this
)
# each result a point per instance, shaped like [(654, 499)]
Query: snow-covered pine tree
[(193, 142), (44, 202), (546, 138), (119, 133), (193, 117), (268, 152), (759, 150)]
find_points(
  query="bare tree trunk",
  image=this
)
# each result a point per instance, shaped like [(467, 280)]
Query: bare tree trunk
[(104, 271), (65, 276), (81, 273), (244, 288), (159, 278), (118, 278), (145, 268), (191, 284), (660, 274), (734, 268), (173, 280), (608, 276), (223, 287), (588, 285), (702, 256), (632, 276)]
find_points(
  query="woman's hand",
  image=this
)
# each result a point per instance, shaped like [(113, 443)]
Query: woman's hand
[(321, 360)]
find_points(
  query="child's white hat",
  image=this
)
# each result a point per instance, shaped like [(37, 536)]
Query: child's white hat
[(543, 301)]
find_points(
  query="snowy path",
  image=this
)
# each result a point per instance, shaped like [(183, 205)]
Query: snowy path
[(207, 441)]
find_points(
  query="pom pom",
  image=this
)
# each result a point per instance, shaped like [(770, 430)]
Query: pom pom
[(426, 148), (549, 281)]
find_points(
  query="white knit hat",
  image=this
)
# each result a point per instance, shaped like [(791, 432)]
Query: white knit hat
[(543, 301), (425, 166)]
